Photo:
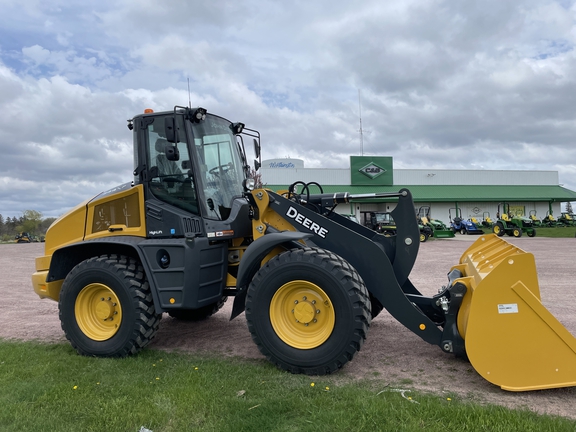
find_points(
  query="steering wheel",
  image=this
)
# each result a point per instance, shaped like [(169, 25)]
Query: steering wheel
[(221, 168), (172, 180)]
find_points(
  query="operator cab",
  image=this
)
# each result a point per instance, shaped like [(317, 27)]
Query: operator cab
[(191, 160)]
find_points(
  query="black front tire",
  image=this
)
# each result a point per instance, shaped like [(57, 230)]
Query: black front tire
[(308, 311), (106, 307)]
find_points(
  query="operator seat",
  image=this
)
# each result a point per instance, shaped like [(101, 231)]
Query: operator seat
[(165, 166)]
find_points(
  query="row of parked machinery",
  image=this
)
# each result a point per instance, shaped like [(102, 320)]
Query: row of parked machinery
[(565, 219), (506, 222)]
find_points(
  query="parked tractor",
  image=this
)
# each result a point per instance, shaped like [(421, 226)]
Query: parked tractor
[(549, 220), (512, 225), (191, 231), (457, 224), (437, 228), (535, 221), (566, 219), (487, 221), (383, 223), (25, 237)]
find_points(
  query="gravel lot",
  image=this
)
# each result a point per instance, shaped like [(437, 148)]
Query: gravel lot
[(391, 353)]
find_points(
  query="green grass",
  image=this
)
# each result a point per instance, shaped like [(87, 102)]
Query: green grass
[(556, 232), (51, 388)]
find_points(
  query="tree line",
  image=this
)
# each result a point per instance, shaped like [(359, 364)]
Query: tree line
[(31, 222)]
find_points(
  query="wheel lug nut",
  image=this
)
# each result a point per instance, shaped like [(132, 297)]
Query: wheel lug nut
[(313, 301), (317, 311), (304, 298), (295, 301)]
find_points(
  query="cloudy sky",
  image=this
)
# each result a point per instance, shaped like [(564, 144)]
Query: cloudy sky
[(443, 84)]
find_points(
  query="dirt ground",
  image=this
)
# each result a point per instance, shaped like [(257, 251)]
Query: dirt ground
[(391, 353)]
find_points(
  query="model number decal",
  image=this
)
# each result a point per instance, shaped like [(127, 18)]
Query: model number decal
[(508, 308), (292, 213)]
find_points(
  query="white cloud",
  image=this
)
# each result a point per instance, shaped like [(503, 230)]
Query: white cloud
[(443, 84), (38, 54)]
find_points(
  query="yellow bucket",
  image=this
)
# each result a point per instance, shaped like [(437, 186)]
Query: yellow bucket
[(511, 339)]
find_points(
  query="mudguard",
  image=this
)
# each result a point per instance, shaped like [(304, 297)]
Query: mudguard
[(252, 258)]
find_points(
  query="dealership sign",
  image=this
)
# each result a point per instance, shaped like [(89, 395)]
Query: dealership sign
[(372, 170)]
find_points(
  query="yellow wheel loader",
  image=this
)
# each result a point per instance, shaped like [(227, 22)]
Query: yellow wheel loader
[(190, 231)]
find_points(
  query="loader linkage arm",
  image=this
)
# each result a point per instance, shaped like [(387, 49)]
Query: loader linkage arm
[(384, 263)]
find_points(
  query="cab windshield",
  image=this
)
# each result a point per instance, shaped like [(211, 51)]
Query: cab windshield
[(220, 168)]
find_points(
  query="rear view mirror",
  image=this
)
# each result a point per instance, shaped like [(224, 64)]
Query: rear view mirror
[(256, 148), (170, 129)]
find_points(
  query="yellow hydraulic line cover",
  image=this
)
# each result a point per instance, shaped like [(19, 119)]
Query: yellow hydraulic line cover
[(511, 339)]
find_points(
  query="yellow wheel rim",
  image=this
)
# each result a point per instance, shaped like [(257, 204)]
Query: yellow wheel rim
[(302, 314), (98, 312), (422, 237), (496, 229)]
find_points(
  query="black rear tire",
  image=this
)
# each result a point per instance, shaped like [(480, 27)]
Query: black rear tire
[(308, 311), (106, 307)]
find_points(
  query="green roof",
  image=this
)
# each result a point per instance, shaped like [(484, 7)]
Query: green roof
[(443, 193)]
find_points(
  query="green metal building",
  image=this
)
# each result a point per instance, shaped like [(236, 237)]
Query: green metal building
[(476, 193)]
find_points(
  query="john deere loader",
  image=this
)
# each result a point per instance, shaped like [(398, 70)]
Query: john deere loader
[(191, 231)]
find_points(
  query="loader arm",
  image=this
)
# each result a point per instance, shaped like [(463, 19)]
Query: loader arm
[(384, 263)]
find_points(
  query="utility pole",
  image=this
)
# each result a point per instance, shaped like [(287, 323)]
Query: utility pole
[(361, 135)]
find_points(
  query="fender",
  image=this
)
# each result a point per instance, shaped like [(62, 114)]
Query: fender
[(64, 259), (252, 258)]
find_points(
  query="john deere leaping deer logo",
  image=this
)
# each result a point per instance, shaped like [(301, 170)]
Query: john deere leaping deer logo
[(372, 170)]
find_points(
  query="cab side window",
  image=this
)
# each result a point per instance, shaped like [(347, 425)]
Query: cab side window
[(170, 167)]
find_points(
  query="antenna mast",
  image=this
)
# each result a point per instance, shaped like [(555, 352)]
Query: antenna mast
[(361, 135), (189, 101)]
